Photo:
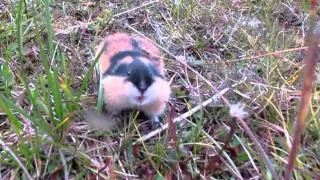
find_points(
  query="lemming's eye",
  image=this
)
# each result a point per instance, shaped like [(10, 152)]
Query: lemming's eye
[(128, 73)]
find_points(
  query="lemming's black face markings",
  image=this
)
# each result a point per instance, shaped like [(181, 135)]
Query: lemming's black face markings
[(140, 75), (154, 71), (115, 60), (121, 70), (118, 57)]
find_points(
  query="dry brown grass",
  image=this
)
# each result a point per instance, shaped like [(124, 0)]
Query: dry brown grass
[(250, 51)]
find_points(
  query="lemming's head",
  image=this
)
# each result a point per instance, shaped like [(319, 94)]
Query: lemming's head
[(140, 80)]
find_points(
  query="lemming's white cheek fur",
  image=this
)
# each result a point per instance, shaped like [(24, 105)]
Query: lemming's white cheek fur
[(132, 94), (150, 94)]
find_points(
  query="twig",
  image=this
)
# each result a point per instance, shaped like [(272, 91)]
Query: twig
[(248, 154), (64, 163), (265, 54), (47, 162), (225, 101), (309, 71), (5, 147), (234, 171), (312, 174), (182, 117), (133, 9)]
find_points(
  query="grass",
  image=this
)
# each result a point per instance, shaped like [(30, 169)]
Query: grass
[(253, 50)]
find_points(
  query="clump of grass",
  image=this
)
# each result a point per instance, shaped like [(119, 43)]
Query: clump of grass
[(49, 103)]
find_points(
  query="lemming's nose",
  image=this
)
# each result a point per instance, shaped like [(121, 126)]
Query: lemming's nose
[(142, 90), (142, 87)]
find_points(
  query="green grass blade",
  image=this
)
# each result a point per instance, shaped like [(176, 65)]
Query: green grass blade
[(49, 26), (46, 97), (100, 93), (19, 28), (88, 75), (13, 119), (53, 84)]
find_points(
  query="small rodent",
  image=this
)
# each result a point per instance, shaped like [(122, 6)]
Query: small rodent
[(133, 75)]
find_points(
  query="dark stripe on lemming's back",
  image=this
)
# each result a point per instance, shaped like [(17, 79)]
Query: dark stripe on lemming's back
[(135, 44), (123, 54)]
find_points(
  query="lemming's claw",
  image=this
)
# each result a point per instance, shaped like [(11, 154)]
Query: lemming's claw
[(115, 113), (155, 122)]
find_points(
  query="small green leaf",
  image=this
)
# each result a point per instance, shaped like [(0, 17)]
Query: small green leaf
[(159, 176), (6, 76)]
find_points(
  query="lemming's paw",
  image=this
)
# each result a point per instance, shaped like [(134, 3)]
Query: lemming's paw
[(155, 122)]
